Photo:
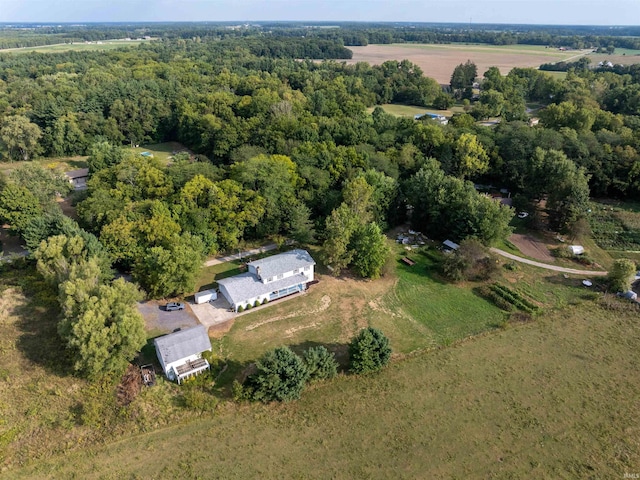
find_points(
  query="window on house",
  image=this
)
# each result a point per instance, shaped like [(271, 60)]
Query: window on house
[(280, 276), (307, 268), (296, 271), (270, 279)]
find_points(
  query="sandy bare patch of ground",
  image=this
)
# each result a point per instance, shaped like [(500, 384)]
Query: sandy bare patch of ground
[(439, 61), (325, 301), (532, 247)]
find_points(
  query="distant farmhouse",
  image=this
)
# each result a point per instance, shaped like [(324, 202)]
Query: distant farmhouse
[(269, 279), (78, 178), (180, 353), (434, 116)]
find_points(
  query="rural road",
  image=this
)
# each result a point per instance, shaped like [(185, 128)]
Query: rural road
[(238, 256), (547, 266)]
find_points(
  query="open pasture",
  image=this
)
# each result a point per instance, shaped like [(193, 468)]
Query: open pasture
[(556, 398), (439, 61), (77, 47)]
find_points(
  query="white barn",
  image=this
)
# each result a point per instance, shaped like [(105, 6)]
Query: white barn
[(180, 353), (269, 279)]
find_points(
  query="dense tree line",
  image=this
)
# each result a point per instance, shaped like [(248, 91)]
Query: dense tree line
[(282, 147), (282, 144)]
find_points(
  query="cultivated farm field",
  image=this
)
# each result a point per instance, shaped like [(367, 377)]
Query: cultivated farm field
[(439, 61)]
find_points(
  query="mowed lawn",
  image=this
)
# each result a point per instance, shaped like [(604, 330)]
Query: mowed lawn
[(412, 110), (438, 312), (161, 151), (557, 398)]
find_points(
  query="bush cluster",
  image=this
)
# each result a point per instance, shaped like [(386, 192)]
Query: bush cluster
[(282, 375)]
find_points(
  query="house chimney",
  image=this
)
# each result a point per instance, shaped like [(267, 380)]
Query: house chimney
[(258, 273)]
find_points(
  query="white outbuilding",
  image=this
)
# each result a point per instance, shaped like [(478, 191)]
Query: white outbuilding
[(180, 353), (576, 249)]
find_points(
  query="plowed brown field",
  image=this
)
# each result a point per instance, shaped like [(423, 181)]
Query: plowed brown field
[(438, 61)]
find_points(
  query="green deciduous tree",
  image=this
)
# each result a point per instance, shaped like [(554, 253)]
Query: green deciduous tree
[(173, 270), (471, 157), (20, 137), (369, 351), (449, 207), (472, 261), (281, 376), (370, 249), (101, 327)]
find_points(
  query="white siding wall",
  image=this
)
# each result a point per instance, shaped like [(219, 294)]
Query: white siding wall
[(251, 301), (308, 273)]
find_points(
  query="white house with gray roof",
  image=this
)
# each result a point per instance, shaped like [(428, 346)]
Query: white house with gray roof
[(180, 353), (268, 279)]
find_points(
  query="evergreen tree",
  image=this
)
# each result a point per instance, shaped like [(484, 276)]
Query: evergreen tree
[(369, 351)]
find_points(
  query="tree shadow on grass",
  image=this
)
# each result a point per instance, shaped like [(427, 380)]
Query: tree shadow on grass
[(234, 370), (38, 317)]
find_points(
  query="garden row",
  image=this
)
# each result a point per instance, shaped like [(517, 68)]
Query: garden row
[(507, 298)]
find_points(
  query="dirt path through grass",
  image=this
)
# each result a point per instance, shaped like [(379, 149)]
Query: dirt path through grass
[(548, 267)]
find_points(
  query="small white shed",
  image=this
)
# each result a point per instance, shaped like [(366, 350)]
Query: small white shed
[(205, 296), (450, 246), (576, 249), (180, 353)]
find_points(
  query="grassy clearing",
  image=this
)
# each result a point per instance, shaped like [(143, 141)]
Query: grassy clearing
[(77, 47), (557, 398), (411, 110), (430, 312), (62, 163), (161, 151)]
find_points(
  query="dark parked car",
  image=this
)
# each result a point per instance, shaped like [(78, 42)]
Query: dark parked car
[(171, 306)]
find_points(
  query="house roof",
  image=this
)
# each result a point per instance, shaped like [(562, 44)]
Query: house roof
[(182, 344), (451, 245), (246, 286), (282, 263), (81, 172)]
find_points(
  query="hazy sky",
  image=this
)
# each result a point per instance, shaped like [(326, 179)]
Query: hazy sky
[(591, 12)]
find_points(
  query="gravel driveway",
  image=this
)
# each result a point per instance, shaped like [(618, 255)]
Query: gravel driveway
[(157, 318)]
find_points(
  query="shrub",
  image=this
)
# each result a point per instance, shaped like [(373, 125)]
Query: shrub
[(369, 351), (196, 399), (281, 376), (256, 303), (248, 307), (266, 300), (238, 392), (621, 275), (321, 364), (561, 252), (240, 309)]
